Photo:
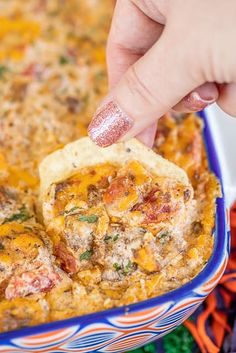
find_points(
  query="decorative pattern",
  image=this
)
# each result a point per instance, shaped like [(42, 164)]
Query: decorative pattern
[(114, 334), (209, 285)]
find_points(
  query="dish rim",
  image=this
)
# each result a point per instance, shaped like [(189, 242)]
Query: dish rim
[(221, 246)]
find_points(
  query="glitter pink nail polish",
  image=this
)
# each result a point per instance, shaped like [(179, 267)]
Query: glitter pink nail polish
[(194, 102), (109, 124)]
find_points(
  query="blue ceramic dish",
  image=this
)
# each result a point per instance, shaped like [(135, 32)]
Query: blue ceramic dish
[(126, 328)]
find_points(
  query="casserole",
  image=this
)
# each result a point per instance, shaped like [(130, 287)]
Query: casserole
[(128, 327)]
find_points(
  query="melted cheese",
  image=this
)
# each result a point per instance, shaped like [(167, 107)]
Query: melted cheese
[(13, 227), (51, 82)]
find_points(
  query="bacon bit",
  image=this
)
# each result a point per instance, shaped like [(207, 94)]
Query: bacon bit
[(31, 282), (158, 214), (151, 196), (68, 262), (155, 206)]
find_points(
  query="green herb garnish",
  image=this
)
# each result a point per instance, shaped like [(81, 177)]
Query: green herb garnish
[(86, 255), (22, 215), (163, 235), (107, 238), (90, 219), (63, 60), (3, 70), (128, 267), (71, 210), (115, 238), (117, 267)]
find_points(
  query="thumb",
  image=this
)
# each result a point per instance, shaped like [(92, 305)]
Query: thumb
[(150, 88)]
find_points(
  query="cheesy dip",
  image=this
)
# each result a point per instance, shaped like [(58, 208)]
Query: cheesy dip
[(109, 233)]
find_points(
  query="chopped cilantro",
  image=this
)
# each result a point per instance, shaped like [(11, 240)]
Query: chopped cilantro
[(90, 218), (114, 238), (128, 267), (22, 215), (67, 212), (163, 235), (86, 255), (107, 238), (116, 266), (3, 70), (63, 60)]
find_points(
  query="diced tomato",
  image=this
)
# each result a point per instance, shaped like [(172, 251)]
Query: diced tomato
[(121, 196), (116, 190), (31, 282)]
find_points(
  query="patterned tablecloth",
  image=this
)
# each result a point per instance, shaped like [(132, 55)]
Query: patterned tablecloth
[(212, 328)]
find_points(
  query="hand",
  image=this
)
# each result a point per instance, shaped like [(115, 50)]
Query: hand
[(163, 55)]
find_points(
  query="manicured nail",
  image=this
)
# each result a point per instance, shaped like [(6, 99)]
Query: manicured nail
[(109, 124), (195, 102)]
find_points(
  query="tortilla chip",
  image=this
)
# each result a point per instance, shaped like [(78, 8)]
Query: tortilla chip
[(82, 153)]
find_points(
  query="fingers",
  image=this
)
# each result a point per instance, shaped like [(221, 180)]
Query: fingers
[(227, 98), (198, 99), (132, 34), (148, 135), (150, 88)]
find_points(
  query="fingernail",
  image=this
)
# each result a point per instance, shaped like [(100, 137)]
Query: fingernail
[(109, 124), (194, 101)]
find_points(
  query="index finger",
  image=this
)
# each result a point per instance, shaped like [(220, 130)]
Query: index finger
[(132, 34)]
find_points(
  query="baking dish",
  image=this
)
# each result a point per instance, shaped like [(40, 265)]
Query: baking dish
[(126, 328)]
